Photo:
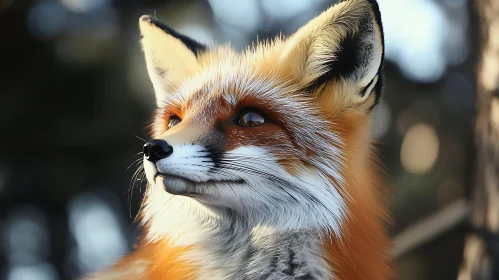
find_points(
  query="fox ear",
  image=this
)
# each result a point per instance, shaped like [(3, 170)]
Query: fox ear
[(170, 56), (340, 52)]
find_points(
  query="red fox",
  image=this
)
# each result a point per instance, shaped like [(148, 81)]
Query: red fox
[(261, 164)]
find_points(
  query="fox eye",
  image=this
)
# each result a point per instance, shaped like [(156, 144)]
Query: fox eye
[(174, 120), (251, 118)]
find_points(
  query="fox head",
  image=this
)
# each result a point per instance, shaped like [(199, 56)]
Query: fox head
[(274, 136)]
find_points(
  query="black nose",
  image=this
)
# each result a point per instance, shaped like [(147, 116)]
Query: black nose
[(157, 149)]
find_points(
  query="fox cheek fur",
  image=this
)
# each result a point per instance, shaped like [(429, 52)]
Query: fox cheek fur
[(262, 164)]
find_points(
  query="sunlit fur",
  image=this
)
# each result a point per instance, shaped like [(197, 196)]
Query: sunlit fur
[(298, 196)]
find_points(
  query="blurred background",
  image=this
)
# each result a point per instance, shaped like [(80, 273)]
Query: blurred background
[(75, 99)]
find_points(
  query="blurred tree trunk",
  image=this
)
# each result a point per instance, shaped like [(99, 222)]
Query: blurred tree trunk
[(481, 251)]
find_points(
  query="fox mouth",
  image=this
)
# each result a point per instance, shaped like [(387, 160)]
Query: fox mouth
[(178, 185)]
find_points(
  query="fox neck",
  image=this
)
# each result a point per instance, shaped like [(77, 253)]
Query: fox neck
[(229, 248)]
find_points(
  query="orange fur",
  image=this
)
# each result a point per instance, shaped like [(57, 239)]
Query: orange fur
[(150, 261), (362, 250)]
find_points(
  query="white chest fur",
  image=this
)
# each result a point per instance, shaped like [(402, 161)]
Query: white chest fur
[(260, 253), (236, 251)]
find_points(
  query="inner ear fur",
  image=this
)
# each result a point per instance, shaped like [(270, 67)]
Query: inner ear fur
[(170, 56), (341, 49)]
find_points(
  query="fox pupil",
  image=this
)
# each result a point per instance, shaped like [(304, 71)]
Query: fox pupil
[(174, 120), (251, 119)]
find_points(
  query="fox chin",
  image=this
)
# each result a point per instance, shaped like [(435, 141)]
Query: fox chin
[(261, 163)]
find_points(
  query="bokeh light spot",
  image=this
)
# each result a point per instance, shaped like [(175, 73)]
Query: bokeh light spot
[(84, 6), (42, 271), (27, 238), (283, 9), (97, 231), (420, 149), (416, 35), (243, 14), (46, 19)]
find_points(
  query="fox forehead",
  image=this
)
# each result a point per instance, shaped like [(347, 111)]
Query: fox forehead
[(218, 91), (225, 75)]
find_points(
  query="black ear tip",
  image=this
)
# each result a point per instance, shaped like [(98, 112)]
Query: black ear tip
[(154, 21), (377, 12), (145, 18), (149, 19), (375, 8), (193, 45)]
